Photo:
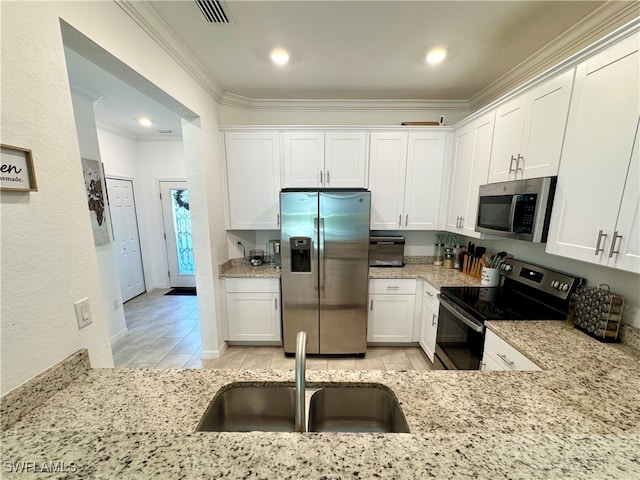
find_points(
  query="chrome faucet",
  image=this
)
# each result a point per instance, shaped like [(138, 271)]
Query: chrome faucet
[(301, 356)]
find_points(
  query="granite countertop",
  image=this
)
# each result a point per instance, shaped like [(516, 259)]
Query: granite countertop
[(435, 275), (578, 418)]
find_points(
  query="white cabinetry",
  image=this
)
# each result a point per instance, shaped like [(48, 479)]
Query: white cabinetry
[(596, 206), (472, 150), (405, 178), (499, 355), (391, 311), (253, 180), (253, 309), (529, 131), (429, 319), (331, 159)]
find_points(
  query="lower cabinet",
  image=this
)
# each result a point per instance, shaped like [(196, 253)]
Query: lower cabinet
[(499, 355), (429, 319), (253, 309), (391, 311)]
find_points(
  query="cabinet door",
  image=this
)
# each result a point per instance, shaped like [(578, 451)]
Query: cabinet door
[(627, 232), (423, 184), (429, 326), (303, 159), (253, 180), (507, 138), (390, 318), (253, 317), (345, 159), (482, 141), (546, 119), (460, 177), (386, 179), (601, 130)]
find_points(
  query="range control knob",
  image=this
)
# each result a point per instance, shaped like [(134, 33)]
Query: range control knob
[(508, 267), (565, 287), (555, 284)]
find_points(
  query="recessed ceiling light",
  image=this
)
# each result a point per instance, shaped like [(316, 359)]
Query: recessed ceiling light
[(279, 57), (145, 122), (436, 55)]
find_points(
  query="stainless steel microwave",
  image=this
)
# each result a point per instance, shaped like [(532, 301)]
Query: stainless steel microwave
[(519, 209)]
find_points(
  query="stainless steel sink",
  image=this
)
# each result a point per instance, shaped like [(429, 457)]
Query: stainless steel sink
[(245, 408), (368, 408)]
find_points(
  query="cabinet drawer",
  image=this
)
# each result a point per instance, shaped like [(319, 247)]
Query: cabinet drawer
[(505, 355), (429, 292), (253, 285), (388, 286)]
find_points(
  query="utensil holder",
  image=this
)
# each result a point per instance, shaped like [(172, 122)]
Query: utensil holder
[(490, 277)]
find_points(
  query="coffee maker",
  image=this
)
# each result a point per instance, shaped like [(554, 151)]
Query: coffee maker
[(273, 249)]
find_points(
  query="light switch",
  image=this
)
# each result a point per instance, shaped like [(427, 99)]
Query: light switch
[(83, 313)]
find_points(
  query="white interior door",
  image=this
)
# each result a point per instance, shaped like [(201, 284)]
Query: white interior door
[(176, 214), (125, 229)]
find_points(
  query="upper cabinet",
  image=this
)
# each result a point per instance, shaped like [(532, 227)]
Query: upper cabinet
[(253, 180), (469, 169), (529, 131), (318, 159), (405, 178), (597, 200)]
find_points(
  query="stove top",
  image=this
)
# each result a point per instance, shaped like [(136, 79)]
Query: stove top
[(498, 303), (529, 292)]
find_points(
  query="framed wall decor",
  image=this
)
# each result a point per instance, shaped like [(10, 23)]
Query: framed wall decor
[(97, 200), (16, 169)]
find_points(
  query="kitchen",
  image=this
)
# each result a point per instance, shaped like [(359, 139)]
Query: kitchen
[(57, 298)]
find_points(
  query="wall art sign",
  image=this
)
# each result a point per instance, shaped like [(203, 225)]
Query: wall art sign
[(16, 169), (97, 200)]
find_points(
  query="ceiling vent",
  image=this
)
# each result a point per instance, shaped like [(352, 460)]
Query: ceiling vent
[(213, 11)]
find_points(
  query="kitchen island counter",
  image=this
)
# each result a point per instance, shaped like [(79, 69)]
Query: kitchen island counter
[(578, 418)]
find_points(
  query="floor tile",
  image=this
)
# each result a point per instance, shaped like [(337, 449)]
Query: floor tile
[(174, 360), (398, 366)]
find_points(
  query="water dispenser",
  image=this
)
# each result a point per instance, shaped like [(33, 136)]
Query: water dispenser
[(300, 254)]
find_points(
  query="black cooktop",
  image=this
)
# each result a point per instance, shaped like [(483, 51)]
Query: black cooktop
[(500, 303)]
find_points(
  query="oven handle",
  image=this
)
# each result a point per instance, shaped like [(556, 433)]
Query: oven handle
[(467, 321)]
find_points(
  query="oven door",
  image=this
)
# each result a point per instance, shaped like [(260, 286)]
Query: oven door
[(459, 339)]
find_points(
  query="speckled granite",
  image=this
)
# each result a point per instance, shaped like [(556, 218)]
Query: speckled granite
[(246, 270), (630, 336), (436, 276), (578, 418), (27, 397)]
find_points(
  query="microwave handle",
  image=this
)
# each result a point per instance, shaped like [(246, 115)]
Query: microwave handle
[(512, 212)]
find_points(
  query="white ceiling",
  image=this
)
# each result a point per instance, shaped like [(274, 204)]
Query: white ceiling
[(368, 49), (339, 50)]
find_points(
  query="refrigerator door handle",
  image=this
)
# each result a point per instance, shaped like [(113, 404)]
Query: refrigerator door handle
[(321, 272), (314, 252)]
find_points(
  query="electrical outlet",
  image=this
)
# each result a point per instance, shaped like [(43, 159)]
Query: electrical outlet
[(83, 313)]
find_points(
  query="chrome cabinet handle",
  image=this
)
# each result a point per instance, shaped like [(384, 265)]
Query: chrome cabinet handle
[(600, 236), (458, 221), (275, 301), (433, 320), (406, 221), (513, 159), (371, 307), (520, 157), (321, 183), (392, 287), (504, 359), (400, 220), (278, 219), (461, 222), (328, 177), (613, 250), (429, 293)]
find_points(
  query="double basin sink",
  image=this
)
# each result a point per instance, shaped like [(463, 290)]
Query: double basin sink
[(338, 407)]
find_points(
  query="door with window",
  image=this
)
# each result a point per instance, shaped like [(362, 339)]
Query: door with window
[(127, 241), (176, 214)]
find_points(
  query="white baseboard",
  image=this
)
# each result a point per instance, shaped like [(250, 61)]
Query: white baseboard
[(118, 336), (213, 354), (157, 285)]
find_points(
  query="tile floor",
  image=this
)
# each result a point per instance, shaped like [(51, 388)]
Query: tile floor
[(164, 332)]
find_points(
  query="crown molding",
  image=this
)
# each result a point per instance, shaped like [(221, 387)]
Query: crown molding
[(602, 21), (237, 101), (148, 19)]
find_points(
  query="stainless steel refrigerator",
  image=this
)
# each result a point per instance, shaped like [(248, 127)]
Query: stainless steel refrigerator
[(324, 244)]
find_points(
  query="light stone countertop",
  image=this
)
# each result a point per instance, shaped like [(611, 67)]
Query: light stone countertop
[(578, 418)]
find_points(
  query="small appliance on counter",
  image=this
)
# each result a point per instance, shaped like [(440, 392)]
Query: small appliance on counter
[(273, 250), (386, 251)]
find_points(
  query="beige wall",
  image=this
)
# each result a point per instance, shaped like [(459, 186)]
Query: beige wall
[(48, 257)]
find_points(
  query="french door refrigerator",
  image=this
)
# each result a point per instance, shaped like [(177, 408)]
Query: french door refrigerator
[(324, 248)]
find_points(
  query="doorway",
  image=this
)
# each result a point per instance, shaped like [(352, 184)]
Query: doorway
[(176, 214), (127, 238)]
